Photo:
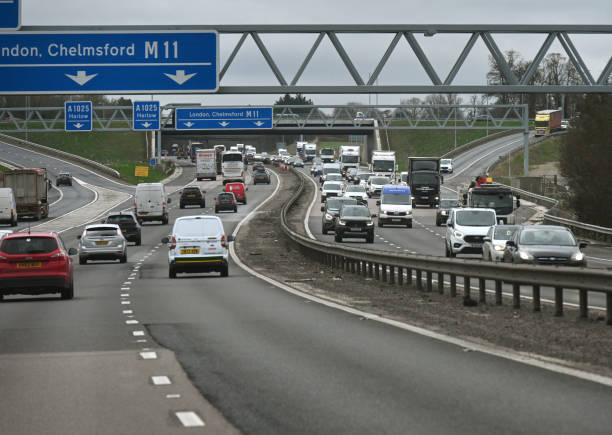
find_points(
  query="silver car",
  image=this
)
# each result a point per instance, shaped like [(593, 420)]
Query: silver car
[(494, 242), (331, 188), (102, 242)]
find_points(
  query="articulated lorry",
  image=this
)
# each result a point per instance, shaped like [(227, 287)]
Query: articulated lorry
[(383, 163), (492, 195), (30, 190), (424, 180), (547, 121)]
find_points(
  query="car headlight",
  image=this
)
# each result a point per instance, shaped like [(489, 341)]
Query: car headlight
[(443, 212), (499, 247), (341, 222), (409, 213), (525, 255), (437, 198), (578, 256), (458, 234), (328, 217), (370, 223)]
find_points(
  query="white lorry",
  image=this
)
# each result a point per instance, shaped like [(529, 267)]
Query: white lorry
[(349, 157), (383, 163), (206, 164), (310, 151)]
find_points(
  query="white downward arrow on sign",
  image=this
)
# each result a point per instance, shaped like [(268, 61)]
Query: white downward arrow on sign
[(189, 124), (146, 124), (81, 77), (258, 123), (224, 124), (180, 77), (78, 125)]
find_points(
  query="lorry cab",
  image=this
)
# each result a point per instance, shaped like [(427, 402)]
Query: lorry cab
[(395, 206)]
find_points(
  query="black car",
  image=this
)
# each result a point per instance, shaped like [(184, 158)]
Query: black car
[(261, 176), (354, 221), (63, 178), (545, 244), (129, 224), (225, 201), (330, 210), (443, 210), (192, 195)]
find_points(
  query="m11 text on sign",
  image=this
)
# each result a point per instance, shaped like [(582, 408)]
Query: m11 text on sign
[(223, 118), (10, 14), (146, 115), (108, 62), (78, 115)]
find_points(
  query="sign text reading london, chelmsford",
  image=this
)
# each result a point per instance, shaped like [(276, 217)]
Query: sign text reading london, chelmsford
[(99, 62)]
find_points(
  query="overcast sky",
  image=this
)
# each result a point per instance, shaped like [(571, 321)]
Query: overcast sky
[(365, 51)]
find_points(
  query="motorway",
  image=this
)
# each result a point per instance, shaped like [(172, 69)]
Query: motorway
[(134, 348)]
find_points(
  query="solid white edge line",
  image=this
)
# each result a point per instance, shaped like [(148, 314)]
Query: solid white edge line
[(61, 195), (519, 357), (307, 218)]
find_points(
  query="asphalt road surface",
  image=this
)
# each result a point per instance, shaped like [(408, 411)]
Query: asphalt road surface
[(255, 359)]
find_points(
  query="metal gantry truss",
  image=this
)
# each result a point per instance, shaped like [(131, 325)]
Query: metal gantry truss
[(358, 84), (296, 117)]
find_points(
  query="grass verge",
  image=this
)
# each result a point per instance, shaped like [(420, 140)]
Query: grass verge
[(126, 169), (546, 151)]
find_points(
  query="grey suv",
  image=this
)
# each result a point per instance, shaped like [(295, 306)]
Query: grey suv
[(331, 209), (354, 221)]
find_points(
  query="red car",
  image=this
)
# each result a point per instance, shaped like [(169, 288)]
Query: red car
[(34, 264), (238, 190)]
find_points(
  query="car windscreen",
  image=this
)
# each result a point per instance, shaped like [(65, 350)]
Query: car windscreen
[(379, 180), (64, 174), (504, 233), (547, 237), (334, 177), (396, 199), (492, 200), (101, 232), (29, 245), (355, 189), (446, 161), (355, 212), (448, 203), (191, 190), (197, 228), (332, 186), (424, 178), (233, 157), (475, 218), (331, 170), (118, 219), (226, 196)]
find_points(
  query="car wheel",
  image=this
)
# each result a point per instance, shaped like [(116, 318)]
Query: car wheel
[(139, 241), (14, 223), (216, 210), (82, 260), (338, 238), (370, 239), (203, 205), (123, 259), (244, 202), (68, 293), (70, 184), (171, 272), (438, 223), (181, 205), (324, 231), (225, 271), (380, 223), (165, 221), (235, 209), (446, 253), (409, 224)]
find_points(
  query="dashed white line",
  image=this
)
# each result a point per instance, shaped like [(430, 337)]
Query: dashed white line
[(148, 355), (125, 302), (125, 295), (131, 322), (128, 312), (161, 380), (138, 333), (189, 419), (173, 396)]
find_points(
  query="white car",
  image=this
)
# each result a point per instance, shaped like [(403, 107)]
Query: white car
[(446, 165), (375, 185), (331, 188), (357, 192), (466, 230), (197, 244), (564, 124), (495, 242)]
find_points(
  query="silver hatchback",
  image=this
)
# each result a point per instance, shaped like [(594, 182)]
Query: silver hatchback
[(102, 242)]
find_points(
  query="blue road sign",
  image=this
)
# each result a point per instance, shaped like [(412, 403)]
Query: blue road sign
[(78, 115), (145, 115), (223, 118), (153, 161), (10, 14), (109, 62)]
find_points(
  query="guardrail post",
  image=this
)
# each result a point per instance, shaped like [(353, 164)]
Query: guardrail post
[(558, 301), (609, 308), (376, 271), (384, 272), (453, 286), (353, 265), (498, 292), (440, 283), (400, 275), (408, 276), (536, 298), (482, 290), (370, 271), (583, 302), (516, 295), (466, 289), (428, 278), (391, 274), (419, 277)]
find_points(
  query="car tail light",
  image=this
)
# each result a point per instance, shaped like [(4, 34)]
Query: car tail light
[(2, 257), (58, 256), (118, 231), (182, 194), (223, 241), (172, 242), (218, 202), (242, 174)]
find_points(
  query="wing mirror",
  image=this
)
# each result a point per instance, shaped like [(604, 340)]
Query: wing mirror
[(79, 237), (449, 223), (72, 251), (374, 215), (486, 239), (583, 245), (378, 202), (510, 243), (169, 200), (230, 238), (165, 240), (322, 208)]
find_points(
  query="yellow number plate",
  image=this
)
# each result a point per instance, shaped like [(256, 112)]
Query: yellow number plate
[(31, 265), (190, 251), (102, 243)]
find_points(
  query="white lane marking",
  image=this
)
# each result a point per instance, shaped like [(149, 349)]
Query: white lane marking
[(125, 302), (189, 419), (131, 322), (131, 277), (125, 288), (138, 333), (473, 162), (128, 312), (140, 341), (60, 197), (173, 396), (161, 380), (307, 218), (598, 259), (127, 283), (148, 355), (124, 295)]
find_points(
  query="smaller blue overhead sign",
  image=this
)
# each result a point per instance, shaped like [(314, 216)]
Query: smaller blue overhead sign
[(78, 115), (146, 115), (10, 16), (223, 118)]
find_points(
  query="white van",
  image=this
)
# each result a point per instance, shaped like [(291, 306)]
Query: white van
[(8, 207), (150, 202), (395, 206), (197, 244)]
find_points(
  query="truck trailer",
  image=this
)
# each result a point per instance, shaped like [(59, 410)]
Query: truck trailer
[(547, 121), (30, 190)]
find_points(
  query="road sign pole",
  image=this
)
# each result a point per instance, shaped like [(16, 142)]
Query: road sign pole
[(158, 147), (526, 140)]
